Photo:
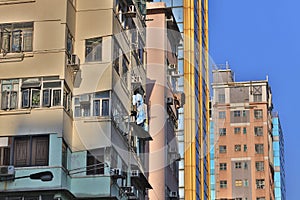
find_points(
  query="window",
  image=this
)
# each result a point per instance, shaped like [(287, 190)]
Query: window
[(38, 92), (238, 199), (51, 93), (31, 98), (30, 150), (101, 104), (64, 155), (116, 56), (221, 98), (5, 151), (257, 97), (259, 148), (259, 166), (237, 147), (245, 148), (67, 98), (121, 10), (237, 130), (125, 64), (222, 115), (260, 183), (70, 43), (93, 49), (95, 162), (246, 183), (238, 183), (260, 198), (258, 114), (222, 131), (140, 50), (223, 184), (223, 166), (245, 165), (244, 130), (244, 113), (9, 91), (258, 131), (237, 113), (16, 37), (238, 165), (28, 197), (222, 149), (97, 102), (35, 92)]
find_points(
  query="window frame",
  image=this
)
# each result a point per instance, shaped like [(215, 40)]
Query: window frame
[(93, 49), (221, 98), (237, 147), (258, 114), (222, 131), (238, 183), (238, 165), (223, 166), (222, 149), (223, 184), (260, 166), (35, 145), (93, 165), (237, 130), (245, 147), (259, 148), (258, 130), (260, 183), (236, 113), (101, 97), (12, 87), (15, 37), (222, 114), (24, 90)]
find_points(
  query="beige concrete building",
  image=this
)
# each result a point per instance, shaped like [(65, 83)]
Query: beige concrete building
[(163, 38), (68, 72), (243, 138)]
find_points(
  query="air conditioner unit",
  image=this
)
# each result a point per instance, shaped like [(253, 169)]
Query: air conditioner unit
[(135, 173), (173, 194), (75, 62), (170, 100), (176, 74), (131, 8), (116, 172), (136, 79), (7, 171), (129, 191), (172, 67)]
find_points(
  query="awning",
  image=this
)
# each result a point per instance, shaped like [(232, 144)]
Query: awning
[(140, 179), (139, 132)]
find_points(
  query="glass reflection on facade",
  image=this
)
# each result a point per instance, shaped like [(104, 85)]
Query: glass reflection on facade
[(193, 24), (278, 150)]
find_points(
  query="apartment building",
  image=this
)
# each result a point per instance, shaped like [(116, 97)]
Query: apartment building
[(243, 140), (71, 86), (193, 125), (163, 38), (279, 162)]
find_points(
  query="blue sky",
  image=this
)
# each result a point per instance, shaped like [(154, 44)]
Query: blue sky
[(260, 38)]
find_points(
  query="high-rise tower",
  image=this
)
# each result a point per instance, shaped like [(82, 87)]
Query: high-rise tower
[(279, 162), (243, 141), (72, 82), (192, 19)]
